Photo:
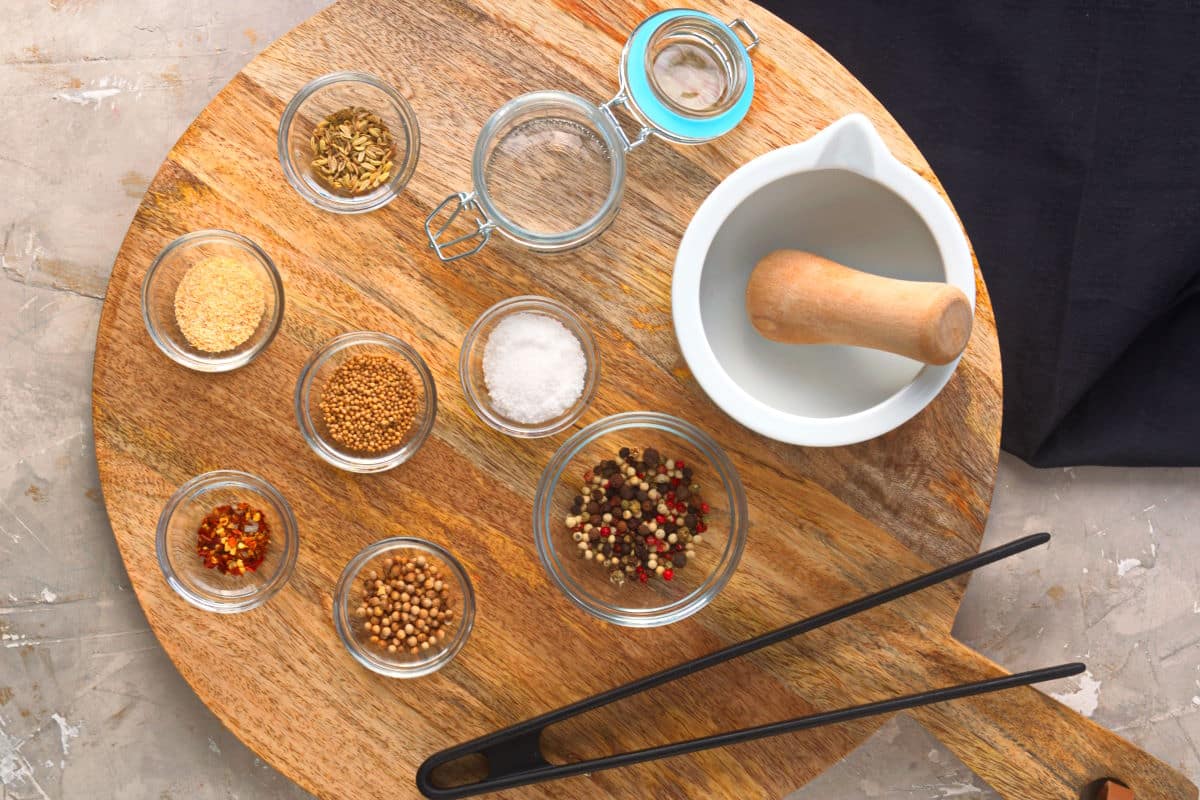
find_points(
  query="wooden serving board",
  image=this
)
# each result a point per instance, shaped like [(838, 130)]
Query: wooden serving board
[(826, 525)]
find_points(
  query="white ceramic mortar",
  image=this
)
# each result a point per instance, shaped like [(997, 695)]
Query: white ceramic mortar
[(841, 195)]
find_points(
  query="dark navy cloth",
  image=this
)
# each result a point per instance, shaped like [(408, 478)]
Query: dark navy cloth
[(1067, 135)]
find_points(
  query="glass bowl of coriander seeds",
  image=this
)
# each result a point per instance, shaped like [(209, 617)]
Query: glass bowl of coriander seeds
[(348, 142), (365, 401), (404, 607), (212, 300), (640, 519), (227, 541)]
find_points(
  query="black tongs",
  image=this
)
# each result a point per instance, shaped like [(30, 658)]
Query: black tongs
[(514, 756)]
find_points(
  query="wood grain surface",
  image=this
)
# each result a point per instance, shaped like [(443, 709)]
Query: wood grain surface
[(826, 525)]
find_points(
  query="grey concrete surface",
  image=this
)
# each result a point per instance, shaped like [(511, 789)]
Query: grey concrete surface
[(94, 93)]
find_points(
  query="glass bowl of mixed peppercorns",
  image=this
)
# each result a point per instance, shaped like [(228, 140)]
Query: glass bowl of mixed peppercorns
[(365, 401), (227, 541), (404, 607), (640, 518)]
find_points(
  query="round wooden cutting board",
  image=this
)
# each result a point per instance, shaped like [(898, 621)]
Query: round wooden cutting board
[(826, 525)]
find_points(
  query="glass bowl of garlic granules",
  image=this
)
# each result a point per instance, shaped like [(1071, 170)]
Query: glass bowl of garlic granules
[(212, 300), (348, 142), (365, 401)]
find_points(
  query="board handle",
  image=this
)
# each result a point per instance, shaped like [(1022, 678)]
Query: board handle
[(1028, 746)]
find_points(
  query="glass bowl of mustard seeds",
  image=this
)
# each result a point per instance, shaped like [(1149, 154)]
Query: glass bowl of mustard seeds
[(227, 541), (212, 300), (404, 607), (365, 401), (348, 142)]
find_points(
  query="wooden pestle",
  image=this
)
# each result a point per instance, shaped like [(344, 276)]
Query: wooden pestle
[(802, 298)]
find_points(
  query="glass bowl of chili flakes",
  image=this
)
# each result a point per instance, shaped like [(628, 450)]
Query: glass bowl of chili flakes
[(227, 541)]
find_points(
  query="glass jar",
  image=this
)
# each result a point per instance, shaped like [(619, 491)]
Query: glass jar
[(549, 166)]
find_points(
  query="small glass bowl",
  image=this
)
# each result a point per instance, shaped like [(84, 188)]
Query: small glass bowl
[(470, 365), (164, 276), (324, 96), (176, 536), (402, 665), (321, 366), (656, 602)]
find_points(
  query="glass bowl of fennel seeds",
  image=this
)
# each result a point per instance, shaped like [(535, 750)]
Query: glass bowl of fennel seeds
[(348, 142)]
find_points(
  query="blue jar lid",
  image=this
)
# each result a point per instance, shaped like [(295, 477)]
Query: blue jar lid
[(657, 113)]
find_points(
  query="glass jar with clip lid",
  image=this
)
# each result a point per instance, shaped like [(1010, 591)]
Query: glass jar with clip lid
[(549, 166)]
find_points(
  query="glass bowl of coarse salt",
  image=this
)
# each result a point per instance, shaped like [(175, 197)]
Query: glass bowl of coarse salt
[(529, 366), (212, 300), (365, 401)]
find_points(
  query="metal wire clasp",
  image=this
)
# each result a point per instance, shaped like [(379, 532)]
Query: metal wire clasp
[(642, 135), (462, 201), (745, 26)]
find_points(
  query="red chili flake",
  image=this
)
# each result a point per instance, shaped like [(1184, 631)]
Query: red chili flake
[(679, 465), (233, 539), (668, 574)]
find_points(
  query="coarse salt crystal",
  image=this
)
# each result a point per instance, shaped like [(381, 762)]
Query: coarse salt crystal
[(534, 368)]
